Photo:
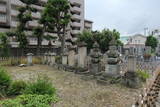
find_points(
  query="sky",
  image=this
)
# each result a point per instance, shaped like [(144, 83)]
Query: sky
[(126, 16)]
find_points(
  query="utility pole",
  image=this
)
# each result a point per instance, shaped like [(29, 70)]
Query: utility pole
[(145, 31)]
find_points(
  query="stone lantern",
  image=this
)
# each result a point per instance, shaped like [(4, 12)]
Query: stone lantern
[(95, 55)]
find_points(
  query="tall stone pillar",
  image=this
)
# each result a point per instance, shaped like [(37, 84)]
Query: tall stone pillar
[(131, 78), (45, 58), (82, 54), (65, 59), (52, 58), (71, 57), (29, 59)]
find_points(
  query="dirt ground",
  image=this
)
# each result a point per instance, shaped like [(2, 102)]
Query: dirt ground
[(76, 92)]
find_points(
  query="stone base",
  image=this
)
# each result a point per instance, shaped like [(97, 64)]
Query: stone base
[(112, 70), (131, 80), (109, 80), (95, 68)]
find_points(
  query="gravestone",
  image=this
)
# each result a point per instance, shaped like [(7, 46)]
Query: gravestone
[(64, 59), (45, 58), (130, 78), (29, 59), (52, 58), (71, 57), (95, 55), (82, 54)]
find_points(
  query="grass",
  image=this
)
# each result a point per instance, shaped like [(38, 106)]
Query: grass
[(76, 92)]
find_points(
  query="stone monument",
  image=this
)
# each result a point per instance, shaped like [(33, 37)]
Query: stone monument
[(71, 57), (52, 58), (130, 78), (112, 68), (82, 54), (95, 55), (29, 59)]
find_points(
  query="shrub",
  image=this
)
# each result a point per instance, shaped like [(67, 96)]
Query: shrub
[(16, 88), (30, 101), (41, 86), (5, 81), (143, 75), (58, 59)]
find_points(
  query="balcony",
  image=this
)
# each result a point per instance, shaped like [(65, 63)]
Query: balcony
[(44, 1), (75, 24), (88, 25), (40, 8), (75, 16), (14, 24), (76, 9), (17, 3), (3, 19), (75, 32), (3, 9), (14, 13), (36, 15), (75, 2), (32, 24)]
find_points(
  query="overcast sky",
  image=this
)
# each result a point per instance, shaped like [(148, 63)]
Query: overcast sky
[(127, 16)]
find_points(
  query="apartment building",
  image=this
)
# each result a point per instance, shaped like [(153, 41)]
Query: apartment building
[(9, 12), (88, 25)]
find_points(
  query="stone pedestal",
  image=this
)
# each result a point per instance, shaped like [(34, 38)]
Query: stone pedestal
[(112, 70), (64, 59), (82, 54), (29, 59), (71, 57)]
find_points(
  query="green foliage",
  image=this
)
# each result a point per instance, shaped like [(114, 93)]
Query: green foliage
[(4, 46), (143, 75), (41, 86), (56, 17), (151, 41), (103, 38), (58, 59), (5, 81), (17, 88), (30, 100)]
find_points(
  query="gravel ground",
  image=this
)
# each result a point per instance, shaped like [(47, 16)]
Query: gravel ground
[(76, 92)]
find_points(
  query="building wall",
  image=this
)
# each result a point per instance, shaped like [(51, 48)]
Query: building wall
[(137, 39), (9, 12), (88, 25)]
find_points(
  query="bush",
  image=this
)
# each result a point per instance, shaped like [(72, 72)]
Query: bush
[(58, 59), (5, 81), (30, 101), (42, 86), (17, 88), (143, 75)]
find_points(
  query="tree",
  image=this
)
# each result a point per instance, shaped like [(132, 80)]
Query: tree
[(151, 41), (4, 46), (103, 38), (25, 15), (56, 18), (38, 32)]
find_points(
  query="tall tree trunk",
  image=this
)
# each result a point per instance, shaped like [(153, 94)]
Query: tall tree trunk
[(63, 42), (39, 47)]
